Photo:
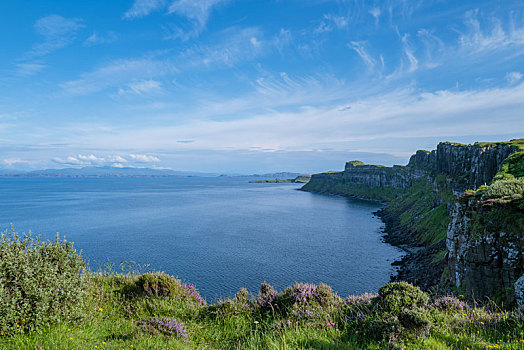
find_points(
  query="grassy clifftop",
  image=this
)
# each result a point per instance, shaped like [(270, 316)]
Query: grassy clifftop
[(158, 311)]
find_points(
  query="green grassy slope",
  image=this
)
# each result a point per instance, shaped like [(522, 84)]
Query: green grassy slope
[(117, 314)]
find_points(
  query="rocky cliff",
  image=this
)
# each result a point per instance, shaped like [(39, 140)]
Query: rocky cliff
[(485, 247), (425, 208)]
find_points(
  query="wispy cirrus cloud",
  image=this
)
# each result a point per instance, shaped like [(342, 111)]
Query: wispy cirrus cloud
[(360, 48), (143, 8), (143, 87), (142, 76), (29, 68), (120, 73), (57, 32), (331, 22), (100, 39), (491, 34), (197, 12)]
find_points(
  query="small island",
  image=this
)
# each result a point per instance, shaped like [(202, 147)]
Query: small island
[(299, 179)]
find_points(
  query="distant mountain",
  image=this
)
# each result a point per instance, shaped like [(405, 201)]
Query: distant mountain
[(105, 171), (10, 171)]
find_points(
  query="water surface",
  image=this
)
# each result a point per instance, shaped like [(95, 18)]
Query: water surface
[(219, 233)]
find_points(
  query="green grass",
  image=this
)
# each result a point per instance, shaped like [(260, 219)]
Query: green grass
[(418, 212), (111, 322)]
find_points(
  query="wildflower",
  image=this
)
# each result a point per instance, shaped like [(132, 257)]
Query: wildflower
[(69, 329), (356, 332), (481, 322), (256, 322), (57, 290), (337, 330), (103, 343), (70, 338), (130, 346), (100, 309)]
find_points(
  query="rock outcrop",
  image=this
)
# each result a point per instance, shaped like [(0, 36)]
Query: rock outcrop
[(485, 253), (519, 292)]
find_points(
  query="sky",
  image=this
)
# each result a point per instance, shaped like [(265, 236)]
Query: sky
[(250, 86)]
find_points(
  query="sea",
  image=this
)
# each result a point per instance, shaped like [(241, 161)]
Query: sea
[(220, 234)]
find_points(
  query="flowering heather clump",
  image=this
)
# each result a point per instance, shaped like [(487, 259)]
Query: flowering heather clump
[(306, 293), (267, 297), (303, 292), (168, 326), (193, 292), (450, 303), (357, 300)]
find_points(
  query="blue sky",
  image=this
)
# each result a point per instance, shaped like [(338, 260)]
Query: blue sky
[(249, 86)]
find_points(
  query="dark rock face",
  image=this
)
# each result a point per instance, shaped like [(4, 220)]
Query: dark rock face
[(481, 261), (519, 292), (377, 176), (471, 166)]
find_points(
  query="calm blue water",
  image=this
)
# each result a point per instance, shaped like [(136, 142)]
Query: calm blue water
[(219, 233)]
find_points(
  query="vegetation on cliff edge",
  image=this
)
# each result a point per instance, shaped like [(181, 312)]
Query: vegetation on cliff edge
[(157, 311)]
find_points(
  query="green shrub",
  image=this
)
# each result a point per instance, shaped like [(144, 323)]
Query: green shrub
[(396, 296), (505, 189), (40, 282), (157, 285)]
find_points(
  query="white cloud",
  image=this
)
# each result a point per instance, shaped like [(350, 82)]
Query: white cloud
[(9, 162), (29, 68), (375, 12), (143, 158), (112, 160), (359, 48), (143, 8), (330, 22), (198, 13), (513, 77), (402, 113), (481, 37), (119, 73), (408, 51), (97, 39), (143, 87), (57, 32)]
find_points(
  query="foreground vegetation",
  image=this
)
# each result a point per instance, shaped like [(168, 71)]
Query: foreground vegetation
[(49, 301)]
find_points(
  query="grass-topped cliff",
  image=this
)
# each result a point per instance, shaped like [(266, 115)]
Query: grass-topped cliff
[(421, 202), (50, 301)]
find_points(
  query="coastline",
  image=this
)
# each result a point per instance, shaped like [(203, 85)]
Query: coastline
[(410, 266)]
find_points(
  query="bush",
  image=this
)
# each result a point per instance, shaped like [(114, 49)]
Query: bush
[(266, 299), (307, 293), (40, 282), (505, 189), (396, 296), (157, 285)]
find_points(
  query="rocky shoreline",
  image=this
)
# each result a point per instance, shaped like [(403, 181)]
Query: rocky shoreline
[(417, 265)]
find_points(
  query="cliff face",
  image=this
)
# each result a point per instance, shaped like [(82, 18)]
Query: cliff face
[(473, 165), (464, 242), (485, 248)]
